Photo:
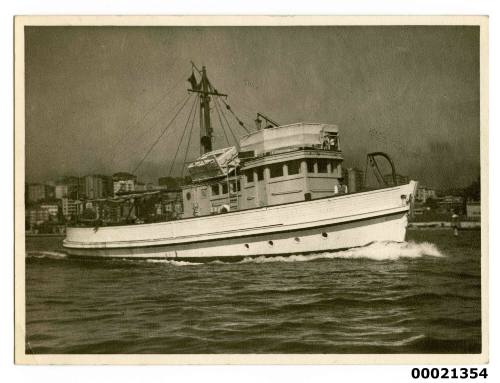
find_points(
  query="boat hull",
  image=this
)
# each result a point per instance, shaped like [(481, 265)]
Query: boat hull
[(325, 238), (333, 223)]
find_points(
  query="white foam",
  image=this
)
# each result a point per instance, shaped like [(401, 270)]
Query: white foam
[(46, 254), (172, 262), (379, 251)]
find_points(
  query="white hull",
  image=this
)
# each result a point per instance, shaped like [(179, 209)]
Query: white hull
[(326, 224)]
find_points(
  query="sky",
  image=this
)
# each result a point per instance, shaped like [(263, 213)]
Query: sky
[(97, 98)]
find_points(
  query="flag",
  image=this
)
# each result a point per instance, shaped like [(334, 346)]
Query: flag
[(192, 81)]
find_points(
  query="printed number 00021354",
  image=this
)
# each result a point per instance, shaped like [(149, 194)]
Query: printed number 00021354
[(449, 373)]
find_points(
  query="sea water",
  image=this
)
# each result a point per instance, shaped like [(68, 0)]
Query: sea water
[(422, 296)]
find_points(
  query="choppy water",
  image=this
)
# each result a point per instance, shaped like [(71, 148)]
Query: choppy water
[(418, 297)]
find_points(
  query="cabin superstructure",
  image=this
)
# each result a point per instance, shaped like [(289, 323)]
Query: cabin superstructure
[(275, 165)]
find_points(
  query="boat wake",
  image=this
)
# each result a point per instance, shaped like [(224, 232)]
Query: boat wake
[(173, 262), (378, 251), (46, 254)]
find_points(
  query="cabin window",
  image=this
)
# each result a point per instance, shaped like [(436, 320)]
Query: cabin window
[(224, 188), (276, 170), (322, 166), (188, 196), (260, 174), (215, 189), (310, 166), (293, 167), (249, 175)]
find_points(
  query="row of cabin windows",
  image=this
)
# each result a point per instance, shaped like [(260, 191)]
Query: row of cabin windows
[(216, 188), (294, 167)]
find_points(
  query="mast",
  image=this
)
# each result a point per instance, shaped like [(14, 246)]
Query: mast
[(205, 90), (206, 140)]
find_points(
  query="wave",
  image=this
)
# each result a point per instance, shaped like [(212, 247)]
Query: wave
[(46, 254), (174, 263), (378, 251)]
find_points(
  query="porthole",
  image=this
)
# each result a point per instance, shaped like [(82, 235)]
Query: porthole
[(271, 243), (247, 245), (297, 240), (324, 235)]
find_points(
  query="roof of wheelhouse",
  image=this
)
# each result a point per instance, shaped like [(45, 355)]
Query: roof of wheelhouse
[(293, 135)]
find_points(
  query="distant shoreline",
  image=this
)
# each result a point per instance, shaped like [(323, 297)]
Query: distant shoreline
[(437, 225)]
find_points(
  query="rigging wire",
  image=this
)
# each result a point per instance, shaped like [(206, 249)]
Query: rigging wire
[(154, 125), (228, 107), (142, 119), (190, 136), (162, 133), (221, 124), (183, 134), (217, 107), (229, 126)]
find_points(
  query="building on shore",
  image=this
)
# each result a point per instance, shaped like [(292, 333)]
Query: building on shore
[(43, 218), (51, 208), (71, 187), (36, 216), (139, 207), (124, 183), (71, 208), (424, 193), (98, 186), (61, 191), (473, 210), (37, 192), (451, 204)]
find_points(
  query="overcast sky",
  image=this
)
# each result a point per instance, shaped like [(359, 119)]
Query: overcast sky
[(98, 97)]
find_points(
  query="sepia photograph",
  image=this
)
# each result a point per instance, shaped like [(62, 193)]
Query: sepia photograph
[(260, 187)]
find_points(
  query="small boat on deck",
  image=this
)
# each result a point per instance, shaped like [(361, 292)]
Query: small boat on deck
[(281, 190)]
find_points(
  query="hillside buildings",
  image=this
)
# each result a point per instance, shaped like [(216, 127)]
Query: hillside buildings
[(124, 183), (98, 186), (110, 200), (473, 209), (424, 193), (39, 192)]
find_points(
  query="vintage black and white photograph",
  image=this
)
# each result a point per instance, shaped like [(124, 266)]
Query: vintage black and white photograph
[(251, 188)]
